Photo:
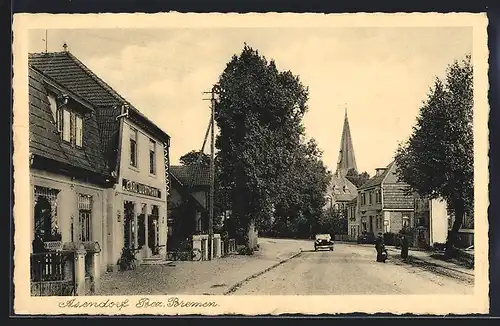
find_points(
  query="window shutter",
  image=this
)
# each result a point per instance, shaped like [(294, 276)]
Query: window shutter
[(66, 125), (73, 128), (79, 131)]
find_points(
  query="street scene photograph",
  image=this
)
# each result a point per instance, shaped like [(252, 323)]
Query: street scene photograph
[(251, 161)]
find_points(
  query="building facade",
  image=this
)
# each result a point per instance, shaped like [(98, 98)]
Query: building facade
[(68, 177), (138, 209), (188, 203), (124, 204), (385, 206)]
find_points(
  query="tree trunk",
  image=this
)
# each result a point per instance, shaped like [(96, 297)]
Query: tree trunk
[(457, 223)]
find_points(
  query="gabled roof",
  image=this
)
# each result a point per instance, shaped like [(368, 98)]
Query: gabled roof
[(67, 70), (341, 189), (377, 180), (45, 141), (191, 176)]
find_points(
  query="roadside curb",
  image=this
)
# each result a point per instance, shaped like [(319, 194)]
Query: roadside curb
[(240, 283)]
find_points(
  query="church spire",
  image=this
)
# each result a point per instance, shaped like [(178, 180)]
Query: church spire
[(346, 160)]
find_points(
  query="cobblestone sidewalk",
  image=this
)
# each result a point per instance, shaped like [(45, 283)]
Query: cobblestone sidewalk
[(207, 277)]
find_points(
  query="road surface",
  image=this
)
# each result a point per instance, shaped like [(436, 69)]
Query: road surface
[(349, 269)]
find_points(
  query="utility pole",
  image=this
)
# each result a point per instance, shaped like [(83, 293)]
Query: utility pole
[(213, 101)]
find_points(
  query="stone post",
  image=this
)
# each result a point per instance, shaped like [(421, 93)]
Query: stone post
[(79, 266), (95, 271)]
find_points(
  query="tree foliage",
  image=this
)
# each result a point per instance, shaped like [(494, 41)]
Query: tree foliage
[(357, 179), (261, 141), (194, 157), (437, 160)]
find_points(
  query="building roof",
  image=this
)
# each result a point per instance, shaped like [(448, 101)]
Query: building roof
[(377, 179), (346, 160), (191, 176), (44, 140), (69, 71), (341, 189)]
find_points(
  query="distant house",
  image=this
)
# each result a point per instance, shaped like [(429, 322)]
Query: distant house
[(385, 204), (353, 219), (188, 203)]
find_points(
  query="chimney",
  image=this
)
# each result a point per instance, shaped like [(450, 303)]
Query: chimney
[(379, 171)]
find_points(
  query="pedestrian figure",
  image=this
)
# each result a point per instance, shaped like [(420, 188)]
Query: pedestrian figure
[(380, 247), (404, 246)]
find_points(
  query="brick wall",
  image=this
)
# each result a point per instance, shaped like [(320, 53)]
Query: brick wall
[(396, 220)]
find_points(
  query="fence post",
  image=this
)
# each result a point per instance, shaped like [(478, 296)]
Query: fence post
[(80, 270), (95, 272)]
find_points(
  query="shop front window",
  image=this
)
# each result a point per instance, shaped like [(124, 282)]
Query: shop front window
[(128, 224), (45, 211)]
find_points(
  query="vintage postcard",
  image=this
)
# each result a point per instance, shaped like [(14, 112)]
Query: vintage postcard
[(250, 164)]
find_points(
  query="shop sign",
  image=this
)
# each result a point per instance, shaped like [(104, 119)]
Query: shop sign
[(140, 188)]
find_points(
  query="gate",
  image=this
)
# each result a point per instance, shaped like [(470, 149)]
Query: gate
[(52, 274)]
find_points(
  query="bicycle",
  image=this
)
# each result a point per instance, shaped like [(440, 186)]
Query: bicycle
[(185, 253)]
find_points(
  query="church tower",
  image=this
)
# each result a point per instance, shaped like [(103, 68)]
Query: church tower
[(346, 160)]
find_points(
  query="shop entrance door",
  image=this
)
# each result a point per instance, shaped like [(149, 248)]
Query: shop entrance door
[(154, 231)]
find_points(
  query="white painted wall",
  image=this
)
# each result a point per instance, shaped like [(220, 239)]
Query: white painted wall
[(438, 221)]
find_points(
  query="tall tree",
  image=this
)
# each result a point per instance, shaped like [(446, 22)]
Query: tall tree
[(260, 121), (437, 160), (301, 203), (357, 179)]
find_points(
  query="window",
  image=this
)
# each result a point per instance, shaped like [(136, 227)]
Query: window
[(45, 209), (406, 221), (53, 106), (370, 197), (84, 218), (129, 224), (79, 131), (199, 224), (379, 196), (71, 125), (133, 147), (66, 124), (152, 157)]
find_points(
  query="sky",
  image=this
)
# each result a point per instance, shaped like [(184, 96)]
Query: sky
[(381, 75)]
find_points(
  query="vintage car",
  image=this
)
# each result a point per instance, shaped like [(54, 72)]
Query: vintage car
[(323, 241)]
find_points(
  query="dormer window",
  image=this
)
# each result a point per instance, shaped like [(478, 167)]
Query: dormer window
[(69, 123), (72, 127)]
